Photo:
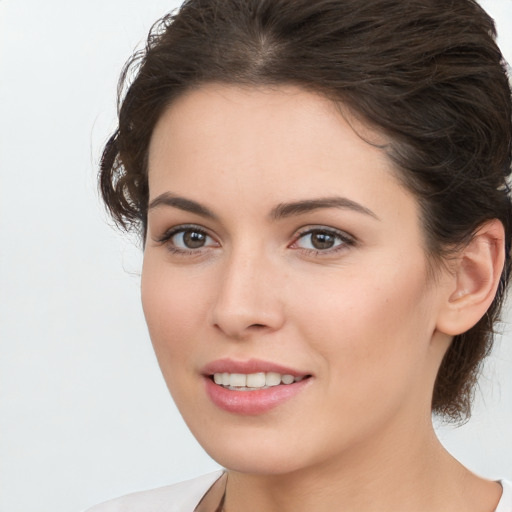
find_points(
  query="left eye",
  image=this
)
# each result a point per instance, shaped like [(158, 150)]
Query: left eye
[(320, 240)]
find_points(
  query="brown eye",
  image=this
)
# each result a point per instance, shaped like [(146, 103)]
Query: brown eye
[(193, 239), (323, 240), (190, 239)]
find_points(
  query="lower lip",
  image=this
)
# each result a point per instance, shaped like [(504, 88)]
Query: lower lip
[(252, 402)]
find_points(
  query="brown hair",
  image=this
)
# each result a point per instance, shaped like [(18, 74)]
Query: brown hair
[(426, 73)]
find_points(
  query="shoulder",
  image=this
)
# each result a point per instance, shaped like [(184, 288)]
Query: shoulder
[(180, 497), (505, 504)]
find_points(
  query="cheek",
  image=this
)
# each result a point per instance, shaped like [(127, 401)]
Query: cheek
[(173, 307), (371, 329), (172, 304)]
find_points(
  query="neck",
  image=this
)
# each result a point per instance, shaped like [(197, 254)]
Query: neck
[(413, 472)]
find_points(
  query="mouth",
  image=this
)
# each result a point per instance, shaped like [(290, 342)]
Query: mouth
[(254, 381), (252, 387)]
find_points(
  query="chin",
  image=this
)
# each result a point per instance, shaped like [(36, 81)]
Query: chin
[(257, 464), (254, 452)]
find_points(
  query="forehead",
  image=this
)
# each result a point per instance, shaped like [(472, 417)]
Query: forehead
[(271, 144), (289, 112)]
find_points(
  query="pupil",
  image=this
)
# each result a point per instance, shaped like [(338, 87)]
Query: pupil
[(322, 240), (193, 239)]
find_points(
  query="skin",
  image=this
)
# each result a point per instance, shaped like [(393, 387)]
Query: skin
[(363, 318)]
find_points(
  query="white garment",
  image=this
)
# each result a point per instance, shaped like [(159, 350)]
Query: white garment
[(185, 496), (181, 497), (505, 504)]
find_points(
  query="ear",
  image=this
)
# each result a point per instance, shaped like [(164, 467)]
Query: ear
[(474, 280)]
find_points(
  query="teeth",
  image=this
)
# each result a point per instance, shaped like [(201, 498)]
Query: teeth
[(253, 380), (238, 380), (273, 379), (256, 380)]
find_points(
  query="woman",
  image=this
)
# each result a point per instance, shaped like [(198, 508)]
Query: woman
[(321, 190)]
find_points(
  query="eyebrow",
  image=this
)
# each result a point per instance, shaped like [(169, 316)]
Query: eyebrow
[(168, 199), (281, 211), (299, 207)]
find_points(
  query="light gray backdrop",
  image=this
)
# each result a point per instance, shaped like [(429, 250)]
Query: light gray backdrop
[(84, 412)]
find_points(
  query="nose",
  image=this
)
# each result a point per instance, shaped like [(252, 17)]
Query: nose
[(248, 297)]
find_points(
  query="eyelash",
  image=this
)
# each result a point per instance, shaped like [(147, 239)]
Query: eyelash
[(345, 240), (166, 238)]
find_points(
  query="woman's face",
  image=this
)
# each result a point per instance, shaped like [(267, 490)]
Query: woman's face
[(281, 246)]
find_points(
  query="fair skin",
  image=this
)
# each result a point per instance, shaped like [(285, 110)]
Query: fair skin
[(336, 291)]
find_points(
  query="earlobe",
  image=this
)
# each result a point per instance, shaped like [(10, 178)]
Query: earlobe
[(475, 279)]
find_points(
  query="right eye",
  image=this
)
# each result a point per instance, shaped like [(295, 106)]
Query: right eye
[(187, 239)]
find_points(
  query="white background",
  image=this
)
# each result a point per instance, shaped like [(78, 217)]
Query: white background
[(84, 412)]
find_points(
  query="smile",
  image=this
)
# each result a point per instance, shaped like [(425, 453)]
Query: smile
[(253, 386), (253, 381)]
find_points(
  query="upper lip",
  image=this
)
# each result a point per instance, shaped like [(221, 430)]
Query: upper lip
[(249, 366)]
